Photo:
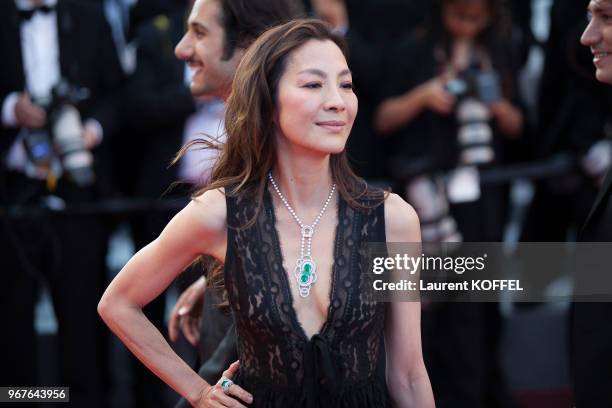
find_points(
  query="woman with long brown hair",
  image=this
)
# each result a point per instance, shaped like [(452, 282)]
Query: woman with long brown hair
[(282, 194)]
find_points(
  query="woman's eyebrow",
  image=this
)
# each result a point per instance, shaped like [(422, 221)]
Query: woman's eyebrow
[(313, 71), (322, 74)]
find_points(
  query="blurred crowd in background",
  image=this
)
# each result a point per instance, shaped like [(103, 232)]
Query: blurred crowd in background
[(453, 95)]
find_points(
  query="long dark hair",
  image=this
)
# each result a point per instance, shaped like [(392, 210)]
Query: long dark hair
[(249, 151)]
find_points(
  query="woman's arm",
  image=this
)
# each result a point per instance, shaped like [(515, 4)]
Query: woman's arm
[(407, 377), (200, 228)]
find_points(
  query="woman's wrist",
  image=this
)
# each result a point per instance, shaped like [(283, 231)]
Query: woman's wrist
[(199, 394)]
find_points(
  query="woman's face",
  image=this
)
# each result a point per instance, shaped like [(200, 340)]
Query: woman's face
[(465, 19), (316, 106)]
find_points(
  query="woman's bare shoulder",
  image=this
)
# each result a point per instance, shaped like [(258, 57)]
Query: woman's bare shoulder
[(401, 220), (210, 209), (203, 221)]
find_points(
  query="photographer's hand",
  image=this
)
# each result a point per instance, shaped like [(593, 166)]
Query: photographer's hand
[(509, 119), (28, 114), (435, 97), (92, 133), (597, 160)]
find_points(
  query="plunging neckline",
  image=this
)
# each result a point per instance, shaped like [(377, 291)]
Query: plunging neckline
[(285, 276)]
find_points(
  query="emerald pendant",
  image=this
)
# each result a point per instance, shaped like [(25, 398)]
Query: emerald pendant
[(305, 273)]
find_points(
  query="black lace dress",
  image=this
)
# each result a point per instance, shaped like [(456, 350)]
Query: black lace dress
[(338, 367)]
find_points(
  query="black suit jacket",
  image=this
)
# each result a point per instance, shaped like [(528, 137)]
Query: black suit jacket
[(88, 59), (598, 225), (591, 321), (157, 104)]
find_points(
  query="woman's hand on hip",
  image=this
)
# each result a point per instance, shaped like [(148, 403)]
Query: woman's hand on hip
[(214, 397)]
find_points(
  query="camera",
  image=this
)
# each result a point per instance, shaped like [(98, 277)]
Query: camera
[(63, 136), (475, 89), (483, 85), (39, 148), (474, 134)]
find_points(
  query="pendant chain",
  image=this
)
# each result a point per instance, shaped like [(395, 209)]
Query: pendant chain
[(305, 270)]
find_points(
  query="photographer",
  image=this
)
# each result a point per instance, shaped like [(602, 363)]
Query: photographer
[(58, 74), (449, 102), (448, 110)]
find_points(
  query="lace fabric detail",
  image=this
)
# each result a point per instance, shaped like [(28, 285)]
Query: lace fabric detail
[(274, 351)]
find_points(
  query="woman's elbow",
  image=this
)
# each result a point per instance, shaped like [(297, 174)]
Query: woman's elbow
[(400, 382), (110, 307), (406, 377), (411, 389), (105, 307)]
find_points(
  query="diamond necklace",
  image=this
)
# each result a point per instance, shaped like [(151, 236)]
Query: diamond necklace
[(305, 270)]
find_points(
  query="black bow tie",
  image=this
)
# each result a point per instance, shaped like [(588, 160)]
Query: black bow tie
[(25, 15)]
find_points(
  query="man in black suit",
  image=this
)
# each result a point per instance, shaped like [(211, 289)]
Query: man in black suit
[(592, 322), (43, 42), (571, 117)]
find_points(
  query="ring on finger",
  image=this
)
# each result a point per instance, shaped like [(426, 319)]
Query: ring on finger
[(225, 383)]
